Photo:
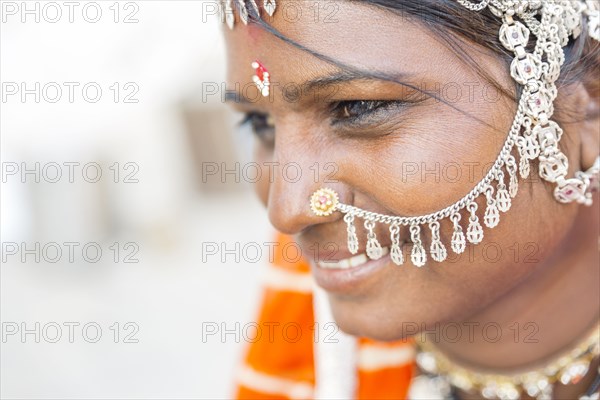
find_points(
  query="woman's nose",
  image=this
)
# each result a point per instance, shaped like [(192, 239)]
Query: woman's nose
[(300, 175)]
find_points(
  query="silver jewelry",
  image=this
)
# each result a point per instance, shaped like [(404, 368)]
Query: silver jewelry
[(567, 368), (243, 11), (270, 6), (533, 133), (228, 16)]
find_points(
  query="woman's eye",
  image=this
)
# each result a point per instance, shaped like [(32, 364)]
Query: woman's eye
[(353, 111), (262, 125)]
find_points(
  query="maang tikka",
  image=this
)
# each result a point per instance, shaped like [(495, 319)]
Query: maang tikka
[(532, 136)]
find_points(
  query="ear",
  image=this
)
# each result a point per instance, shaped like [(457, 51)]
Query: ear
[(579, 112), (590, 134)]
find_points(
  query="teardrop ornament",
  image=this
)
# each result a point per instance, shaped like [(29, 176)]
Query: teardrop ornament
[(513, 186), (503, 199), (492, 215), (396, 254), (396, 251), (524, 168), (475, 230), (351, 230), (269, 6), (458, 242), (531, 148), (437, 249), (418, 255), (374, 250), (229, 15), (243, 11), (513, 183)]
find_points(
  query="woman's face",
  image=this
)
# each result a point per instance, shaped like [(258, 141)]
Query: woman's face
[(388, 148)]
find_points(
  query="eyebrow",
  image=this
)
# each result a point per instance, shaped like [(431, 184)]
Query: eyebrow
[(323, 82), (346, 77)]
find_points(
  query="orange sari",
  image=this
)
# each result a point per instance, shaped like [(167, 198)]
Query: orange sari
[(279, 363)]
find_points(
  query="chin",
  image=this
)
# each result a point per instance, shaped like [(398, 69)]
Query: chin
[(373, 322)]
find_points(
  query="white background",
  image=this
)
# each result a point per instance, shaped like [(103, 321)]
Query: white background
[(171, 292)]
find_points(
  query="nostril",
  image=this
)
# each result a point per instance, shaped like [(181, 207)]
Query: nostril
[(293, 208), (289, 212)]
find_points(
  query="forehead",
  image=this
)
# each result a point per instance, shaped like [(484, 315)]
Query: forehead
[(351, 33)]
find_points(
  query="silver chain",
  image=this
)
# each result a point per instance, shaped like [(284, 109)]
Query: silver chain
[(474, 6), (537, 75), (460, 204)]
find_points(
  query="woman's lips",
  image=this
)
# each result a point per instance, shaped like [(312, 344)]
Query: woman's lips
[(349, 275)]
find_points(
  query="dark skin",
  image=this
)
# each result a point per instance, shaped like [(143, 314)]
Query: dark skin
[(546, 282)]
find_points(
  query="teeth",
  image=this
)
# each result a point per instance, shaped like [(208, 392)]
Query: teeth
[(351, 262)]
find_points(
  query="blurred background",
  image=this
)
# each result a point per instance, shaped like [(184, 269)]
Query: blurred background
[(114, 210)]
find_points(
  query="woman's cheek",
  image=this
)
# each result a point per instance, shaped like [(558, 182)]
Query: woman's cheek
[(416, 179)]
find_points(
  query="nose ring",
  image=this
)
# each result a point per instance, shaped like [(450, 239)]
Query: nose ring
[(324, 202)]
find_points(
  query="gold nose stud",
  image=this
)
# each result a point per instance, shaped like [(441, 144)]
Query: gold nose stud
[(323, 202)]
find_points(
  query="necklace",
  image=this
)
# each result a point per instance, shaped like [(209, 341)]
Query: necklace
[(568, 368)]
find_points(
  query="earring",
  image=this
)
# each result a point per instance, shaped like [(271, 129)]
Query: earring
[(261, 78)]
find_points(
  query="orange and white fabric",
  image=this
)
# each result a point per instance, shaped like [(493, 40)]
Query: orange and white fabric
[(282, 365)]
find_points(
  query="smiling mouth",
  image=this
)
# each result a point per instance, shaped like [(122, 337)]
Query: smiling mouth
[(350, 262), (355, 273), (357, 260)]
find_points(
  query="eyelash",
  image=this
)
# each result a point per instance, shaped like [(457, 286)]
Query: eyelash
[(341, 114), (372, 108), (259, 124)]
